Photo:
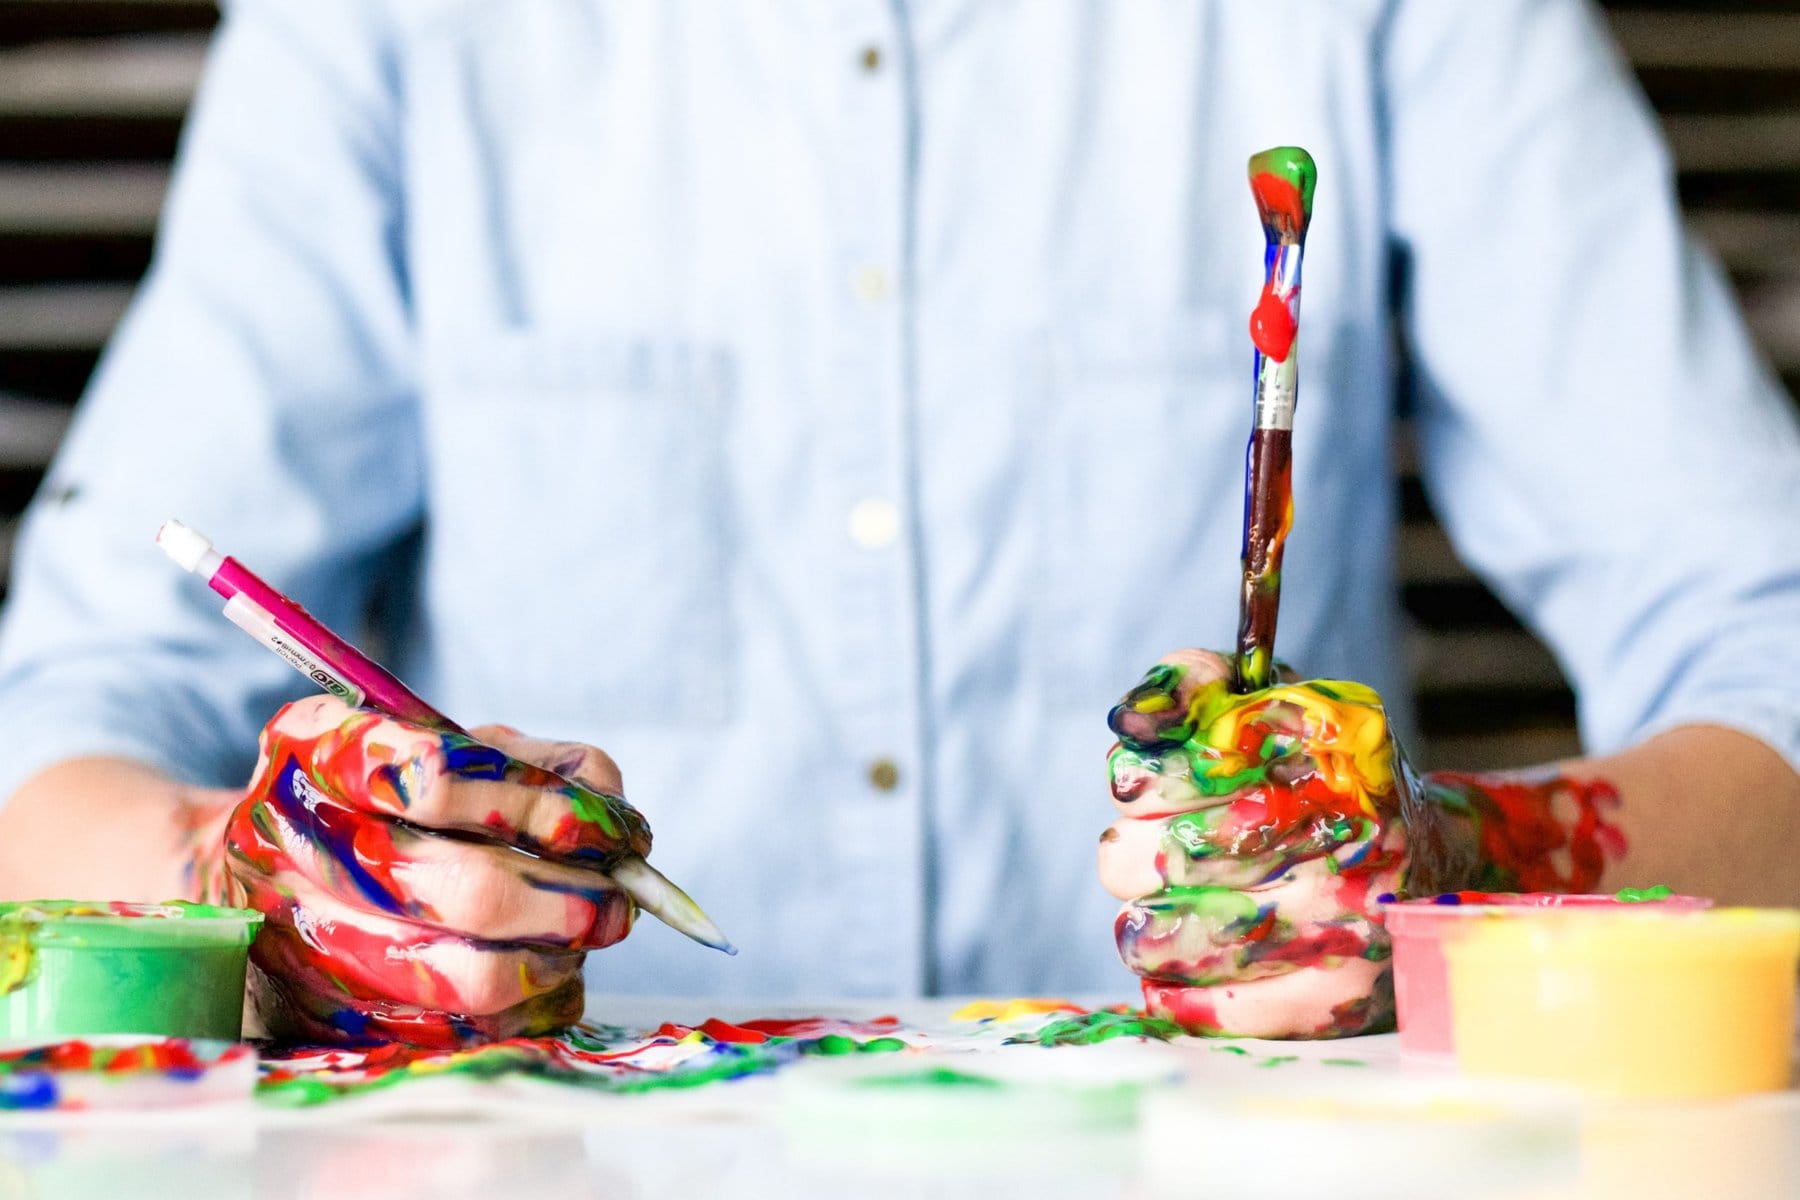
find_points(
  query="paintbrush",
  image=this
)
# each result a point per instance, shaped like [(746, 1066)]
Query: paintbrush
[(1282, 181)]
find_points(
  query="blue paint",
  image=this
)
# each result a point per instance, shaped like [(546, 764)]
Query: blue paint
[(334, 828), (472, 760), (30, 1091)]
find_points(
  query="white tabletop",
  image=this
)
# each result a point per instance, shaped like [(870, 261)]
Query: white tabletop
[(454, 1138)]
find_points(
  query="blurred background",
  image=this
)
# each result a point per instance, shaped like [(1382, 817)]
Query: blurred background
[(92, 94)]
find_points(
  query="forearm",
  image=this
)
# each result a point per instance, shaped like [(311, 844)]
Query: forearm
[(112, 829), (1702, 809)]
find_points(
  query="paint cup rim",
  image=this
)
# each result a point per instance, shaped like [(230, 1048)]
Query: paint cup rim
[(1426, 910), (1623, 933), (174, 923)]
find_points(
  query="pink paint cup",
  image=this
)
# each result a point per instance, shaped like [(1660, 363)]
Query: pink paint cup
[(1420, 927)]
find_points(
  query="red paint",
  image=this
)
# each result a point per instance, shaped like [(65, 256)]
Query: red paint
[(1192, 1008), (1522, 829), (1262, 929), (717, 1030), (1280, 204), (815, 1027), (1272, 324), (1334, 942), (165, 1056)]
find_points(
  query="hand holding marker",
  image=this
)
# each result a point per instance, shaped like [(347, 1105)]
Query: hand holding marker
[(1282, 181), (345, 672)]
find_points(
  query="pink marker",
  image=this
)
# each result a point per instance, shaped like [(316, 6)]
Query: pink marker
[(358, 680)]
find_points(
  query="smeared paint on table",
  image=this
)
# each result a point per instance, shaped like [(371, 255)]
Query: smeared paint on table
[(607, 1059)]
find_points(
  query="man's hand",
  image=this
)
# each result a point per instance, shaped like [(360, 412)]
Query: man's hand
[(422, 886), (1256, 833)]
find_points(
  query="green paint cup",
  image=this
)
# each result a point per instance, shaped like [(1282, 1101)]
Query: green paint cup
[(70, 968)]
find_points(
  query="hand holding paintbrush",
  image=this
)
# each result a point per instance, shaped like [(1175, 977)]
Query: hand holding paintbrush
[(1282, 181)]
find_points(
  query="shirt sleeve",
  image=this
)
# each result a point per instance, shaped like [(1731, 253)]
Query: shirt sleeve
[(259, 389), (1595, 425)]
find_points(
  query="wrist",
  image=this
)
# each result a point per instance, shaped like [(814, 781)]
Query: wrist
[(1530, 831), (1443, 834), (201, 817)]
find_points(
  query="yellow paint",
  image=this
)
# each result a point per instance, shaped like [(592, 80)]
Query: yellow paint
[(1011, 1010), (1351, 747), (1632, 1003)]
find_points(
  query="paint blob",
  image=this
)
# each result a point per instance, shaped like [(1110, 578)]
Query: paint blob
[(124, 1073), (1089, 1029)]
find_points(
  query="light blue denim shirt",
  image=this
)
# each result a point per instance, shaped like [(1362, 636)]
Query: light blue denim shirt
[(768, 391)]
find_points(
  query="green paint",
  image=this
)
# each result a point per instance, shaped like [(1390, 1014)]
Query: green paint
[(1292, 164), (1219, 904), (836, 1044), (1278, 1060), (1089, 1029), (595, 808), (1343, 1062), (928, 1077), (70, 969), (726, 1062), (1237, 1050), (1643, 895)]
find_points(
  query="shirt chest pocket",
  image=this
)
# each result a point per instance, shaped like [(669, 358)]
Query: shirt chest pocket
[(575, 553), (1141, 494)]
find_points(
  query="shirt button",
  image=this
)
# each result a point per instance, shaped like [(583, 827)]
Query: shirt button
[(870, 283), (884, 775), (874, 523), (870, 59)]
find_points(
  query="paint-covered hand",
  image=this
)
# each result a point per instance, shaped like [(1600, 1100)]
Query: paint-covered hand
[(425, 887), (1256, 833)]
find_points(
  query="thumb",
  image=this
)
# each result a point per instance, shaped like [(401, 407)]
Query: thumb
[(1157, 711), (587, 765)]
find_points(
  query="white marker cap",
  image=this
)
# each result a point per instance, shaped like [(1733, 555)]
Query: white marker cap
[(190, 550)]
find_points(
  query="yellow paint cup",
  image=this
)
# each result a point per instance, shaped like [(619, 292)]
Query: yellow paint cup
[(1630, 1003)]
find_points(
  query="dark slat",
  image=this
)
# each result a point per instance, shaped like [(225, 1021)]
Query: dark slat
[(1453, 714), (88, 258), (23, 21), (17, 485), (1685, 91), (79, 138), (1462, 604), (47, 374), (1719, 7), (1741, 189)]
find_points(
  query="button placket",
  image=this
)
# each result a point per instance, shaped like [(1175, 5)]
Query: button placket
[(880, 849)]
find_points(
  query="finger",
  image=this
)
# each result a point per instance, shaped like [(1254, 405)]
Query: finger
[(317, 750), (1130, 858), (1261, 837), (1158, 711), (1344, 1000), (577, 761), (1216, 935), (1160, 782), (479, 889), (320, 945), (295, 1013)]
